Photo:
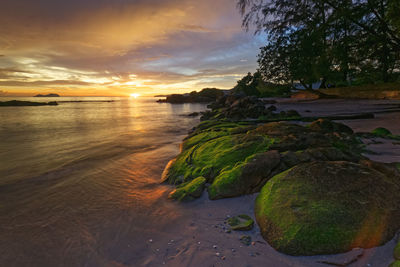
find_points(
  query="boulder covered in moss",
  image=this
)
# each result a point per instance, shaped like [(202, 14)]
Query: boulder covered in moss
[(189, 191), (238, 159), (328, 207), (381, 132), (396, 252), (241, 222)]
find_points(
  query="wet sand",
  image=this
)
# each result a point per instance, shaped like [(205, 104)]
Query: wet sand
[(199, 238)]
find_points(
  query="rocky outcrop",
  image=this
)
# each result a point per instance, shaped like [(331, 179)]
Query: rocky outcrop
[(17, 103), (206, 95), (328, 207), (239, 107), (238, 158), (48, 95)]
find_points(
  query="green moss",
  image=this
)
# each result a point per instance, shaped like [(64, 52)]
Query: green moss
[(396, 252), (323, 207), (381, 132), (395, 264), (189, 190), (241, 222), (208, 155), (226, 182), (202, 138)]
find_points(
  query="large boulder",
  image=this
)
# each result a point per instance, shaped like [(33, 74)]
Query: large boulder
[(328, 207)]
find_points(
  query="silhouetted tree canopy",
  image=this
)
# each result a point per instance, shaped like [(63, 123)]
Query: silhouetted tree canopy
[(326, 40)]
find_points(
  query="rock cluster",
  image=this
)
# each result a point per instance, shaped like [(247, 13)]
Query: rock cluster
[(238, 107), (318, 194)]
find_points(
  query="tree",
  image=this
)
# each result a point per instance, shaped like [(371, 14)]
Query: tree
[(310, 40)]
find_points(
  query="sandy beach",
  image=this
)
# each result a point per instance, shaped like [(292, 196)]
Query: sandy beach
[(199, 237)]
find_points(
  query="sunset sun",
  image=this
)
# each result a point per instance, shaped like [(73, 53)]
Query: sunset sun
[(134, 95)]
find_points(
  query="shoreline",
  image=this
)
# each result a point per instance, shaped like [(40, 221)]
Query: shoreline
[(211, 214)]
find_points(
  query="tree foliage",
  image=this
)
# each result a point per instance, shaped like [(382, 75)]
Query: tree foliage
[(326, 40)]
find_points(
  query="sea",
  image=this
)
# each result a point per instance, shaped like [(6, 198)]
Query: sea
[(80, 182)]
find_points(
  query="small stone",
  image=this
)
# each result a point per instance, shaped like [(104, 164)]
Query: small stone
[(245, 239), (217, 254), (241, 222), (151, 240), (199, 242), (223, 258), (228, 231), (233, 250), (253, 243), (215, 247)]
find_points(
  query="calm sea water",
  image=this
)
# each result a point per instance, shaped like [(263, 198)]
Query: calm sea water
[(79, 182)]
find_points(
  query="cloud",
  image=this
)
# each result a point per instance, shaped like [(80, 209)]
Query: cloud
[(161, 43)]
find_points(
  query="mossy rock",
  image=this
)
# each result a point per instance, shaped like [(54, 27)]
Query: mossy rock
[(381, 132), (328, 208), (396, 263), (396, 252), (246, 177), (189, 191), (241, 222), (238, 158)]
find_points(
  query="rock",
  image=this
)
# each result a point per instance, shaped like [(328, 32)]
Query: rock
[(328, 207), (241, 222), (344, 259), (189, 191), (244, 178), (381, 132), (48, 95), (238, 158), (396, 252), (245, 240), (18, 103), (328, 126)]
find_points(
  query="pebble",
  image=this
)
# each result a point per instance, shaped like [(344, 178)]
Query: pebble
[(223, 258), (253, 243), (150, 240), (217, 254), (233, 250), (199, 242), (215, 246), (228, 231)]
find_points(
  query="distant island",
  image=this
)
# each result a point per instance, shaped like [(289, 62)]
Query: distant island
[(48, 95), (17, 103)]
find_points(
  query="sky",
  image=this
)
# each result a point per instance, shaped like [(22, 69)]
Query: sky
[(121, 47)]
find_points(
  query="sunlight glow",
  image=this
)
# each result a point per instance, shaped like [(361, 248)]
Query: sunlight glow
[(135, 95)]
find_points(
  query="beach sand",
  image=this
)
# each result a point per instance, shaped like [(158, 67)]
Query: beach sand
[(199, 237)]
